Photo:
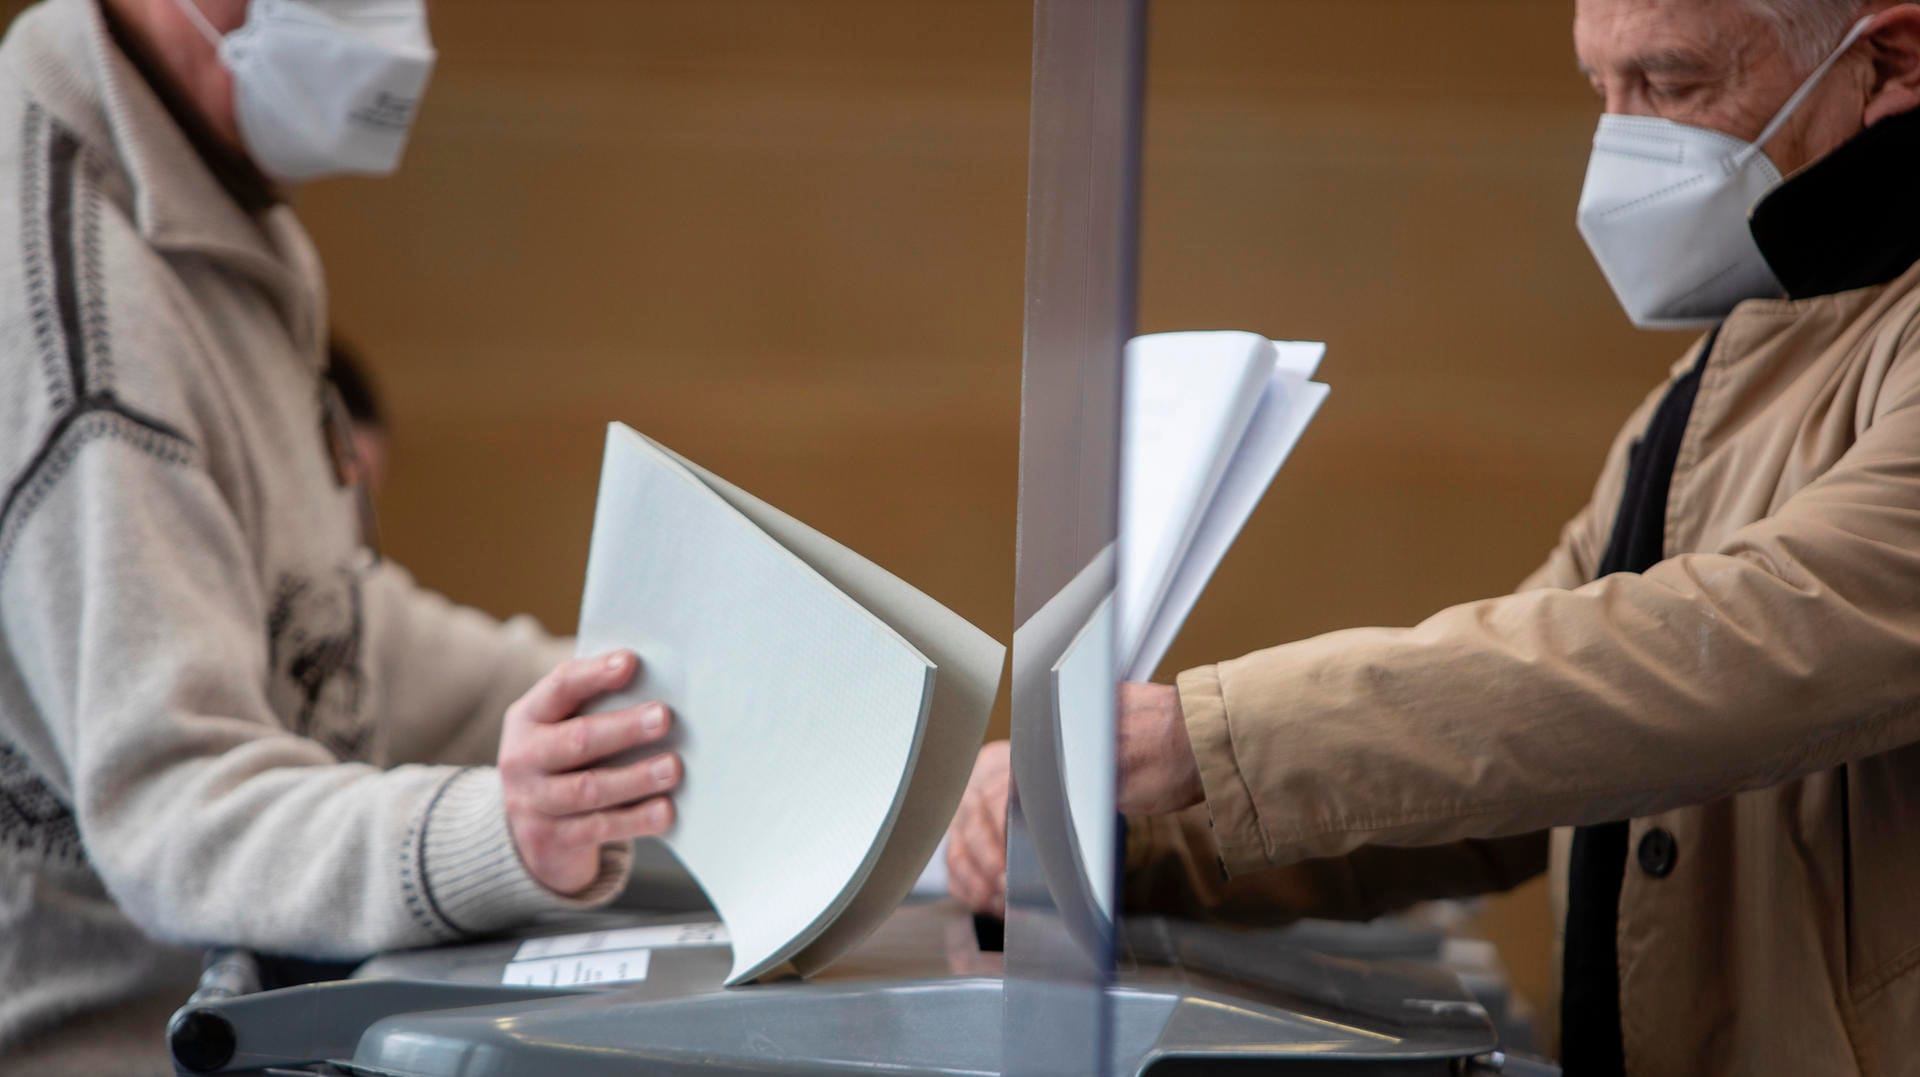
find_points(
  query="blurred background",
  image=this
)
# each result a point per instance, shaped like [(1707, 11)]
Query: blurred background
[(786, 239)]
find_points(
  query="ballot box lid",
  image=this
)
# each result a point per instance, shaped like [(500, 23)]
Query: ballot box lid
[(920, 1000)]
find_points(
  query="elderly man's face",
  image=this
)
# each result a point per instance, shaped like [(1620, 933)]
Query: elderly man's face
[(1716, 64)]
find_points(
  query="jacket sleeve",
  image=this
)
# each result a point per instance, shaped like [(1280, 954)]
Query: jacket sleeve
[(1174, 866), (1790, 647), (133, 619), (448, 672)]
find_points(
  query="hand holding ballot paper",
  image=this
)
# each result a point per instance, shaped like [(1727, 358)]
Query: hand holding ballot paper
[(826, 712), (1208, 418), (566, 791)]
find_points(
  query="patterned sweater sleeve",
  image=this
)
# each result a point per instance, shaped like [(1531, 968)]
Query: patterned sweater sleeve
[(132, 620), (448, 671)]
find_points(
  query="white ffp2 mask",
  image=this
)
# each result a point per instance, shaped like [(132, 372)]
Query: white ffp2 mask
[(325, 87), (1665, 211)]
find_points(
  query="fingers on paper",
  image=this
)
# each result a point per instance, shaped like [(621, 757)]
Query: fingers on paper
[(559, 747), (601, 788), (563, 691)]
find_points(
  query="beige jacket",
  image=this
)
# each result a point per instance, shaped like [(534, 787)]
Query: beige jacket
[(1756, 695)]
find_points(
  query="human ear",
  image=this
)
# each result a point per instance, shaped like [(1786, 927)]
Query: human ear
[(1894, 39)]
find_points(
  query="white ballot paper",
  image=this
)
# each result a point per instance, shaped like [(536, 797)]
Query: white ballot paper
[(827, 712), (1083, 712), (1063, 768), (1208, 419)]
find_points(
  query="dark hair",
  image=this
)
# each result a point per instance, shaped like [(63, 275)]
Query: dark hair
[(357, 391)]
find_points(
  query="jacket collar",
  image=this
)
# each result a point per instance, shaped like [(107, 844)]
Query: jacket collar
[(1848, 220), (67, 58)]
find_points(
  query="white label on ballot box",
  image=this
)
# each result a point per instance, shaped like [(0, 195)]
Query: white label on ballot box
[(621, 955), (660, 937), (617, 966)]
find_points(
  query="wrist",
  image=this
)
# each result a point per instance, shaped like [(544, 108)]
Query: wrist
[(475, 877), (1184, 764)]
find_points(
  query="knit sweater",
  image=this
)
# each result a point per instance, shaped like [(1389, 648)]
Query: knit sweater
[(221, 720)]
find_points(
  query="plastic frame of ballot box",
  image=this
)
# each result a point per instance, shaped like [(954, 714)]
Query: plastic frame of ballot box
[(1076, 992), (917, 998)]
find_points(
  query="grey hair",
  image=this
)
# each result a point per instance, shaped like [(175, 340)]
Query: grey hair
[(1809, 29)]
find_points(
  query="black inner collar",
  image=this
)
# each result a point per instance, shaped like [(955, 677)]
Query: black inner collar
[(1849, 220), (235, 173)]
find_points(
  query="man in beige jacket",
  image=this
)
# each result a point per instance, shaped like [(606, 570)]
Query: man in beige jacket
[(1711, 690)]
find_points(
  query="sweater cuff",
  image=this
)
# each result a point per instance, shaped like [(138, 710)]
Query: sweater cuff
[(472, 873), (1230, 807)]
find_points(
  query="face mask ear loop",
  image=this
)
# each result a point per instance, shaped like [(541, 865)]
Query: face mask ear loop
[(1806, 89), (199, 19)]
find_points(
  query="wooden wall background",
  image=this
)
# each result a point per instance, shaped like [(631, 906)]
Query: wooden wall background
[(787, 239)]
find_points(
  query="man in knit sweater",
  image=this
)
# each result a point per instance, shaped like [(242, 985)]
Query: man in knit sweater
[(221, 719)]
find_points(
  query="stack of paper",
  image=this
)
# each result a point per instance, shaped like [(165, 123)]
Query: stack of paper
[(1208, 419), (827, 712)]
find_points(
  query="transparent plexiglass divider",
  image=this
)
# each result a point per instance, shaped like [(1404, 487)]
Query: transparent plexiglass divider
[(1082, 240)]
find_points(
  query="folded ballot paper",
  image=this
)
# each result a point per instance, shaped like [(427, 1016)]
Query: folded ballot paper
[(1208, 418), (828, 713)]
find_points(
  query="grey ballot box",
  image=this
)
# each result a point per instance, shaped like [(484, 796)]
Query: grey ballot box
[(918, 998)]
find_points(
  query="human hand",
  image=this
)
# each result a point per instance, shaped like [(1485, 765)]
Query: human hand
[(562, 806), (1158, 773), (977, 840)]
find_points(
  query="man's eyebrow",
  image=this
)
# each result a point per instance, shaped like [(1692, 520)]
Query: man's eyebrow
[(1673, 62), (1662, 62)]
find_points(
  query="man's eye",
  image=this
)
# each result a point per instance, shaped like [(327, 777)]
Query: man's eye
[(1672, 91)]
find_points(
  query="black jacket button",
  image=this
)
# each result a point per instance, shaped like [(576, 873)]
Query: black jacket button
[(1658, 851)]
